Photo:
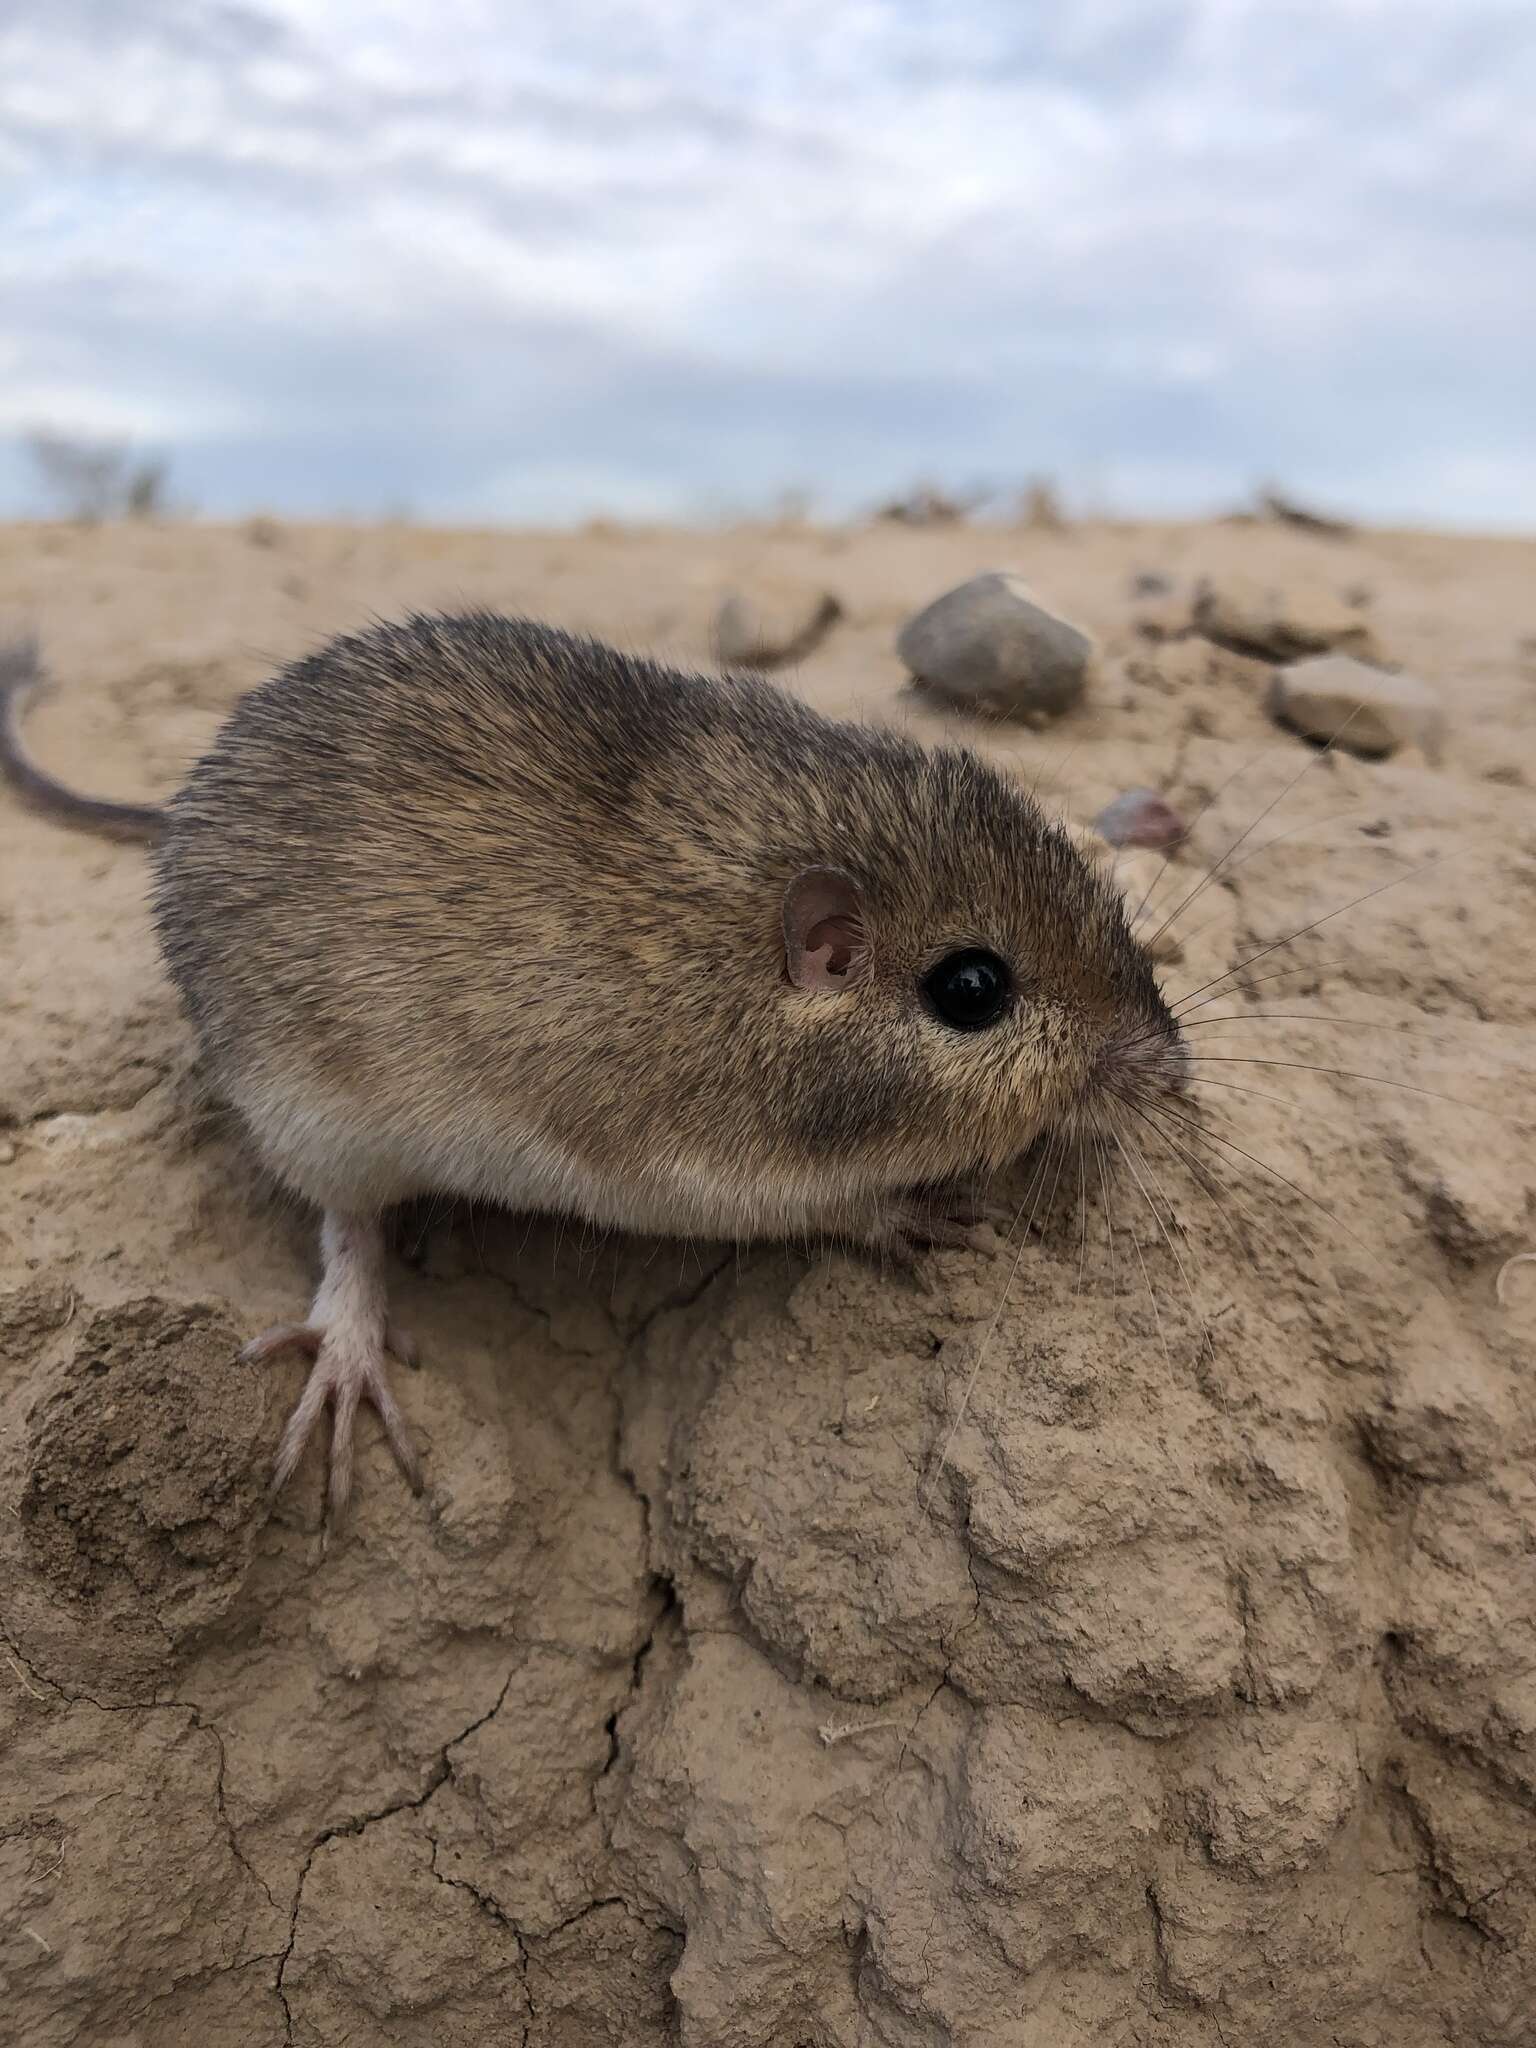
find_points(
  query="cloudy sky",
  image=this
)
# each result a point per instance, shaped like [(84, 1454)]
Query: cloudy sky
[(531, 261)]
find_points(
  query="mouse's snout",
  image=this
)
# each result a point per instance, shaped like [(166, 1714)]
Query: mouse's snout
[(1143, 1058)]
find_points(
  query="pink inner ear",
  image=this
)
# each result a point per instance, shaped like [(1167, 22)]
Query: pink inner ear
[(831, 945), (826, 943)]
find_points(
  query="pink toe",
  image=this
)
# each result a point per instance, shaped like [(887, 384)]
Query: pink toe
[(286, 1337)]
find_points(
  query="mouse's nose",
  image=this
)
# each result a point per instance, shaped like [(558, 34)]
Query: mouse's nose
[(1148, 1057)]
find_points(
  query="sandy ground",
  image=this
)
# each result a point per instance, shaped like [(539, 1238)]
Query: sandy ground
[(1198, 1703)]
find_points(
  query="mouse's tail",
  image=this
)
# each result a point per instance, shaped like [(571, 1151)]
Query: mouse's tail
[(21, 679)]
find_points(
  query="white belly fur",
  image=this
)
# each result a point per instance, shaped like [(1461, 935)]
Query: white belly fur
[(342, 1162)]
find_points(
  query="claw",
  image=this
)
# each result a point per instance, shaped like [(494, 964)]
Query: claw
[(343, 1376), (285, 1337), (346, 1337)]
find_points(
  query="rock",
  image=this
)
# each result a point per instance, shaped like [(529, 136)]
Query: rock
[(750, 634), (1251, 617), (1151, 583), (1369, 711), (989, 646), (1140, 818)]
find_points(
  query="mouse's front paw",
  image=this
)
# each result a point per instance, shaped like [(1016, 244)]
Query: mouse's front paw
[(947, 1219), (349, 1367)]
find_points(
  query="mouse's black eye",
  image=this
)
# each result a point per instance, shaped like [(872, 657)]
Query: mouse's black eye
[(969, 990)]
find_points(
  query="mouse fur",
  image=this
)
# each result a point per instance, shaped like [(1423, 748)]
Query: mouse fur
[(468, 890), (471, 905)]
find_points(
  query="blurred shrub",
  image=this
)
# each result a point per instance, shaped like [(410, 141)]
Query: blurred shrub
[(96, 480)]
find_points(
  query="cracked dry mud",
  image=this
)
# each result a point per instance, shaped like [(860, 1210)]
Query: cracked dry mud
[(1196, 1707)]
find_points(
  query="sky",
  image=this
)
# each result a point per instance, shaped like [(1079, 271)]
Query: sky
[(533, 262)]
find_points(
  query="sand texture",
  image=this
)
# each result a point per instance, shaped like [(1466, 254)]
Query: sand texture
[(1196, 1704)]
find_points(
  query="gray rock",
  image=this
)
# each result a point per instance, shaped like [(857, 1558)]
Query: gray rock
[(990, 646), (1151, 583), (1369, 711), (750, 633), (1252, 617)]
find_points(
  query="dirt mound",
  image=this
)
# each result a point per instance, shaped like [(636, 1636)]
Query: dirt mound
[(787, 1652)]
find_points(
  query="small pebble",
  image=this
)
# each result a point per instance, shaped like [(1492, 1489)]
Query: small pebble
[(1151, 583), (7, 1152), (990, 646), (1140, 818)]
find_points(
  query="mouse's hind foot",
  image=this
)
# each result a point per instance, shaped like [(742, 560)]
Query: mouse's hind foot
[(348, 1336), (306, 1337)]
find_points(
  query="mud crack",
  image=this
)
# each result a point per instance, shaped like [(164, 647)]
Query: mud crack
[(196, 1719), (441, 1771)]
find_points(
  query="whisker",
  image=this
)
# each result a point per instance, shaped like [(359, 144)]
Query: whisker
[(1036, 1181), (926, 1494), (1132, 1153), (1189, 829), (1280, 974), (1188, 938), (1231, 1145), (1302, 825), (1211, 872), (1387, 1028), (1109, 1225), (1162, 1335), (1264, 1094), (1197, 1168), (1443, 1045), (1057, 768), (1082, 1205), (1127, 1150), (1227, 1059), (1327, 918), (1200, 1173)]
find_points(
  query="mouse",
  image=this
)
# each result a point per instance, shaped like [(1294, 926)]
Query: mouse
[(471, 906)]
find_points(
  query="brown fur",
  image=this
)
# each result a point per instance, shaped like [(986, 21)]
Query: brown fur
[(455, 885)]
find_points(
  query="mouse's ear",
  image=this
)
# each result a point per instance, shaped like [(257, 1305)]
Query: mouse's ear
[(826, 936)]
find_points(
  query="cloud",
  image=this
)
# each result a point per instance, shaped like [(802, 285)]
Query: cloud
[(667, 254)]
